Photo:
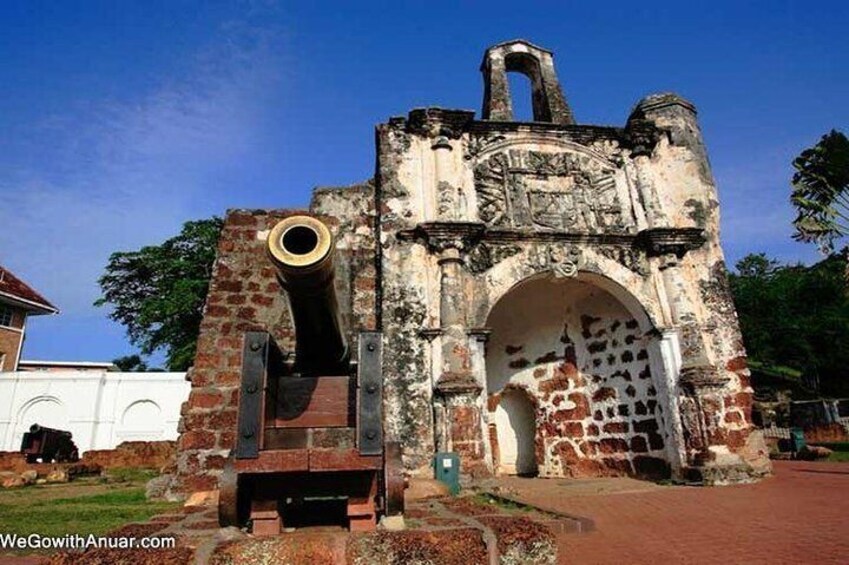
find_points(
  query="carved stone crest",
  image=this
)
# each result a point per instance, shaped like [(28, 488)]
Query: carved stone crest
[(563, 261), (564, 191)]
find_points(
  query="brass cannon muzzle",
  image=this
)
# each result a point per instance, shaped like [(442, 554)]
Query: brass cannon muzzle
[(301, 248)]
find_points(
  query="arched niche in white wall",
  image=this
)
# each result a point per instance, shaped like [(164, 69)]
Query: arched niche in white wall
[(47, 411), (141, 421)]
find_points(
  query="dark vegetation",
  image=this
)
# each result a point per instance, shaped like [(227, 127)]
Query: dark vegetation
[(795, 323)]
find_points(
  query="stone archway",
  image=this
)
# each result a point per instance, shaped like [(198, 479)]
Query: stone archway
[(582, 356)]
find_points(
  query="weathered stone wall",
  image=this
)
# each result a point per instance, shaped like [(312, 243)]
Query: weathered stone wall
[(137, 454), (470, 209)]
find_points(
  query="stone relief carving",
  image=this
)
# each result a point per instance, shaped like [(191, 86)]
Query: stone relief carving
[(478, 143), (563, 261), (610, 150), (565, 191), (486, 255), (632, 259), (446, 201)]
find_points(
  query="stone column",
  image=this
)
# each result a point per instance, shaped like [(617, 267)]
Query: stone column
[(447, 201), (458, 409)]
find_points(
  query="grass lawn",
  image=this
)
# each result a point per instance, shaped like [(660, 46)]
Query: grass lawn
[(840, 451), (83, 506)]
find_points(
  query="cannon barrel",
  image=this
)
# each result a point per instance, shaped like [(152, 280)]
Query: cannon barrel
[(37, 428), (301, 248)]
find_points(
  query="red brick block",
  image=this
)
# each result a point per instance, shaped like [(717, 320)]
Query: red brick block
[(228, 285), (197, 439), (261, 300), (573, 429), (616, 427), (613, 445), (207, 360), (205, 399), (216, 311)]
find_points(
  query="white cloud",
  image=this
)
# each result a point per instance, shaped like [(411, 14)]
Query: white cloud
[(111, 175)]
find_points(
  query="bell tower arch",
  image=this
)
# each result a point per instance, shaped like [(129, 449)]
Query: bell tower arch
[(536, 63)]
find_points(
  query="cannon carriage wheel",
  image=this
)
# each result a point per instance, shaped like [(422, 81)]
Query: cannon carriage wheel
[(228, 496), (393, 479)]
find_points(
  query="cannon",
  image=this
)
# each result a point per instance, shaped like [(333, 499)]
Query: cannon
[(310, 445), (49, 445)]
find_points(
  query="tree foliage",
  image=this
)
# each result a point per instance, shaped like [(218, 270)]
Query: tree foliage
[(158, 292), (821, 191), (796, 316), (134, 364)]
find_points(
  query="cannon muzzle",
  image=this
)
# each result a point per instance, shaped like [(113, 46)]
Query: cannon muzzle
[(302, 248)]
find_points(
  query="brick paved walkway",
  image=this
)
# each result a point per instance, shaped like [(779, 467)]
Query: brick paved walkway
[(799, 516)]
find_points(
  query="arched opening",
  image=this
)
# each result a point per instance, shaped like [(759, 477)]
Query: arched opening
[(582, 357), (530, 94), (46, 411), (515, 424), (141, 421), (521, 97)]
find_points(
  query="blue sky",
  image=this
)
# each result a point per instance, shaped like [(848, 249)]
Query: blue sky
[(122, 120)]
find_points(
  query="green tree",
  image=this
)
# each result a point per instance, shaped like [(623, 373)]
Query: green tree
[(821, 191), (158, 292), (131, 363), (796, 316), (134, 364)]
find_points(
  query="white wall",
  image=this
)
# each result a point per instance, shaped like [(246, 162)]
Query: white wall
[(101, 409)]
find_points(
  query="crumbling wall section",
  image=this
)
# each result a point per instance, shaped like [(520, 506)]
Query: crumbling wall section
[(716, 394), (408, 296)]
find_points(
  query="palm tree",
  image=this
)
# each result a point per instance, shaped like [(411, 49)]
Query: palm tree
[(821, 192)]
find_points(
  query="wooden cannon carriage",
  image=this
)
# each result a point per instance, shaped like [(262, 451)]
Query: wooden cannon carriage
[(310, 429)]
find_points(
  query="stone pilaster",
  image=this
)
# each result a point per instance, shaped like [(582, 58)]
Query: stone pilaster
[(457, 413)]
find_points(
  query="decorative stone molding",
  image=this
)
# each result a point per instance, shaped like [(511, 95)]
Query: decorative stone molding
[(439, 236), (675, 241), (458, 383), (431, 333), (656, 102), (480, 334)]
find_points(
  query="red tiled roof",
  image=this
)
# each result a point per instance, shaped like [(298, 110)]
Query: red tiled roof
[(16, 289)]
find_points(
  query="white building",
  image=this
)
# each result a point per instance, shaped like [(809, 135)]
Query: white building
[(100, 408)]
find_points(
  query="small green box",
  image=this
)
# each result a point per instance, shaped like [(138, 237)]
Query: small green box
[(446, 469), (797, 439)]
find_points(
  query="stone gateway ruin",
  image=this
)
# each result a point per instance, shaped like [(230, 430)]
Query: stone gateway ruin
[(551, 296)]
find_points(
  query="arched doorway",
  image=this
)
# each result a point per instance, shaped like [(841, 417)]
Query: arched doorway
[(515, 425), (578, 350)]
